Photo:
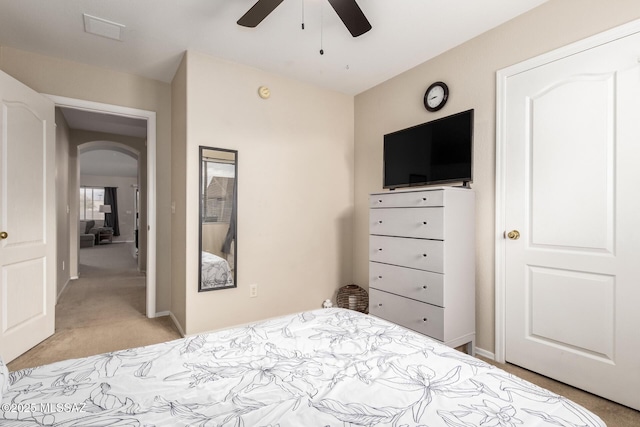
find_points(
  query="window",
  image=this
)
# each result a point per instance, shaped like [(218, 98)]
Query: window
[(90, 200), (219, 179)]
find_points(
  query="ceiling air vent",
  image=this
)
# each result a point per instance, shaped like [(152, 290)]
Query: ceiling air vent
[(102, 27)]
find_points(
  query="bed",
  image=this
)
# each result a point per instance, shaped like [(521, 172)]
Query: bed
[(329, 367), (216, 272)]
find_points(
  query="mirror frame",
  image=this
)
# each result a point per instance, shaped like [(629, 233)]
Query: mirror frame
[(234, 219)]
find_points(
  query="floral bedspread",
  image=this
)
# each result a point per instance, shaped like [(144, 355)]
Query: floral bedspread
[(215, 272), (329, 367)]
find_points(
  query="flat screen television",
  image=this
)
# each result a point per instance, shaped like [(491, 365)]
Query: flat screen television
[(436, 152)]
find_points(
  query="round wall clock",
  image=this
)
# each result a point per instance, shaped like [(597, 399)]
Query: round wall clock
[(436, 96)]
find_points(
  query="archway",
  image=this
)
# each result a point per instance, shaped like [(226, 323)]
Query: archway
[(122, 165)]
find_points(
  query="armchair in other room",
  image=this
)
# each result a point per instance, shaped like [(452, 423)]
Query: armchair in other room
[(88, 233)]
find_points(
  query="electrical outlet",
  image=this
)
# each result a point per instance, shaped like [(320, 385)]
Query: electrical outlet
[(253, 291)]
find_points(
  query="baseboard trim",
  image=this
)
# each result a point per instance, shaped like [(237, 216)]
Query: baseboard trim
[(175, 322), (173, 319), (485, 353), (63, 289)]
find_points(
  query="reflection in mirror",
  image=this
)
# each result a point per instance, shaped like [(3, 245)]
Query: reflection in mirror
[(218, 214)]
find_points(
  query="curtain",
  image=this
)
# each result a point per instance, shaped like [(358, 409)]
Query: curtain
[(111, 219), (231, 233)]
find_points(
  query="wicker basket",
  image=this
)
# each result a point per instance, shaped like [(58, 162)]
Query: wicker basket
[(353, 297)]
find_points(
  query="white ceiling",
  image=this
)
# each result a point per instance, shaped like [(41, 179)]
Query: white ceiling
[(405, 33), (109, 123)]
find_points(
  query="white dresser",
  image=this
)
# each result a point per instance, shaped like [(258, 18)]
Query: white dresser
[(422, 262)]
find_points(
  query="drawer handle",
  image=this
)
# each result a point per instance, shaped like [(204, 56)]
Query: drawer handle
[(379, 277), (424, 319), (424, 255), (379, 249), (380, 305), (424, 287), (424, 199), (379, 200), (424, 222), (379, 222)]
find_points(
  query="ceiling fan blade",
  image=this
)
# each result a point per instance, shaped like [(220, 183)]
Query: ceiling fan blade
[(352, 16), (258, 12)]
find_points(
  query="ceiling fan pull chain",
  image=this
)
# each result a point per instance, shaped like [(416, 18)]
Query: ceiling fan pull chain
[(321, 27), (303, 14)]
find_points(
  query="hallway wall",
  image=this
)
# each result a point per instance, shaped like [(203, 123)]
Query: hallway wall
[(64, 231)]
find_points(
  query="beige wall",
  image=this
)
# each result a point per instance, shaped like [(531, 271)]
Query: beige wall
[(295, 190), (74, 80), (470, 72), (178, 182), (213, 237), (63, 211)]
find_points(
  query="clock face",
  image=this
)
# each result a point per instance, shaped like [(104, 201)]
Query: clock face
[(436, 96)]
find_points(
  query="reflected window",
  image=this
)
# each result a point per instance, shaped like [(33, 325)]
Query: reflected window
[(218, 177)]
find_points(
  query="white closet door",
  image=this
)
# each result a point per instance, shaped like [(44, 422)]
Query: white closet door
[(573, 193)]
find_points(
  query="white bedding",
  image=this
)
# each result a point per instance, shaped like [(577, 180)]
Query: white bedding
[(4, 379), (216, 272), (330, 367)]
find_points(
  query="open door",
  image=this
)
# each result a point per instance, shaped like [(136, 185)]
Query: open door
[(27, 218)]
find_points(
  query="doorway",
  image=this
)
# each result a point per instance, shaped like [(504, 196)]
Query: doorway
[(150, 226)]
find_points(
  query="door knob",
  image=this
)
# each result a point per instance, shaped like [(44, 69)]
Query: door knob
[(513, 235), (3, 235)]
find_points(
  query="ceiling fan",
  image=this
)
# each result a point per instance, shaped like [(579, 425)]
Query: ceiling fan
[(347, 10)]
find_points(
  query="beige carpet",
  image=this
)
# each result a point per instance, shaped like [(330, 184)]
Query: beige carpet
[(612, 414), (103, 311)]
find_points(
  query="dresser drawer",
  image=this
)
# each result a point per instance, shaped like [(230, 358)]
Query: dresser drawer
[(418, 316), (410, 199), (424, 223), (414, 253), (420, 285)]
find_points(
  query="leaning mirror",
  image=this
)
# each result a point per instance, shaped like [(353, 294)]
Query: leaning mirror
[(218, 214)]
